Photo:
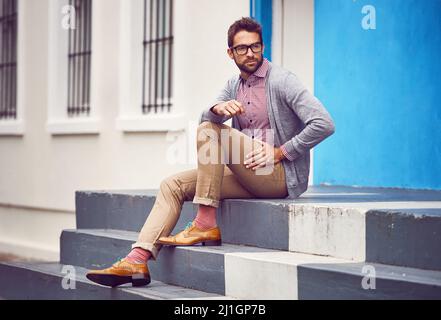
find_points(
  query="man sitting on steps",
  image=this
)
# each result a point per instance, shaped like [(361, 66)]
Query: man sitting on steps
[(275, 122)]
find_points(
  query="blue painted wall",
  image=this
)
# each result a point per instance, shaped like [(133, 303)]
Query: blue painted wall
[(262, 11), (383, 89)]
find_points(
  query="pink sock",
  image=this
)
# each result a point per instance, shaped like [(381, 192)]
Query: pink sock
[(138, 255), (206, 217)]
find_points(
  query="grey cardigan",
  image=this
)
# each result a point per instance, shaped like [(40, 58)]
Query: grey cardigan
[(298, 119)]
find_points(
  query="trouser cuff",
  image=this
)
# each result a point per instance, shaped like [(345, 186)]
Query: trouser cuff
[(206, 202)]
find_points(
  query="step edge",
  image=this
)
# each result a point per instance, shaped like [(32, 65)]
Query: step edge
[(38, 267)]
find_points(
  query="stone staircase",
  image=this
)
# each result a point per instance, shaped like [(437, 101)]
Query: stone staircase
[(331, 243)]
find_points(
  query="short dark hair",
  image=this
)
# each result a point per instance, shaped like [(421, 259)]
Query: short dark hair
[(247, 24)]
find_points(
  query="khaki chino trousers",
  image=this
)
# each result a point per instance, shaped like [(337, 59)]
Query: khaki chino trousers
[(220, 174)]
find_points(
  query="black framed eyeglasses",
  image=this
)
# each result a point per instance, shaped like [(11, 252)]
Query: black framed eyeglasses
[(242, 49)]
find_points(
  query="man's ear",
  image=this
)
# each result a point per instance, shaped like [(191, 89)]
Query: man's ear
[(230, 53)]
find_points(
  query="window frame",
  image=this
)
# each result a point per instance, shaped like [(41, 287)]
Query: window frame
[(130, 116), (16, 126), (58, 122)]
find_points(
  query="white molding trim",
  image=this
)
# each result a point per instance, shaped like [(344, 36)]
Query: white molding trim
[(73, 126), (9, 205), (16, 126), (153, 123), (28, 250), (12, 127)]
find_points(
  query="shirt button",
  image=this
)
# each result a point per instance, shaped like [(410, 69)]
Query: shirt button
[(249, 86), (248, 102), (253, 137), (251, 120)]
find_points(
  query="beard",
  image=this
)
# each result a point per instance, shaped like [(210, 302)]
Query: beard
[(250, 70)]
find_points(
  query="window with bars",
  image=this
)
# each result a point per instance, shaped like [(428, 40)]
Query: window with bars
[(8, 59), (79, 59), (157, 56)]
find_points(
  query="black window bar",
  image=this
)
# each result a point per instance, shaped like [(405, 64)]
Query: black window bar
[(157, 56), (79, 59), (8, 59)]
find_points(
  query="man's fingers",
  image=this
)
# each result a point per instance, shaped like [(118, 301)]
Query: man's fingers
[(258, 162), (238, 105), (251, 155), (267, 161), (235, 107), (231, 110), (255, 159), (254, 152), (259, 155), (226, 112), (261, 160), (238, 108), (260, 165)]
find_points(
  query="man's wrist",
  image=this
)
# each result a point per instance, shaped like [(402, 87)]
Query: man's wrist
[(212, 109), (280, 154), (285, 153)]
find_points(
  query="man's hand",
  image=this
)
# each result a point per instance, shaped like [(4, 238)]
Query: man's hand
[(261, 157), (230, 108)]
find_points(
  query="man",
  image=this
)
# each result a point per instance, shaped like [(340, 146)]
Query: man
[(265, 154)]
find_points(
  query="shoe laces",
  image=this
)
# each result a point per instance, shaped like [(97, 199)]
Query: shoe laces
[(189, 225), (119, 261)]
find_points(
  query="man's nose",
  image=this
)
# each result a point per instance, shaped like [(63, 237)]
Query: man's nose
[(250, 53)]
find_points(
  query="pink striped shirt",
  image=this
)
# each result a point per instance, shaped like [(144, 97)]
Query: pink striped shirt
[(252, 95)]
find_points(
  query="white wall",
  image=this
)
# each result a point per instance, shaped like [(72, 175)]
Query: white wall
[(298, 40), (293, 43), (40, 171)]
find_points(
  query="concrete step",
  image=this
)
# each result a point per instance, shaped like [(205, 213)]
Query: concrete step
[(285, 275), (43, 280), (200, 268), (255, 273), (128, 210), (387, 226)]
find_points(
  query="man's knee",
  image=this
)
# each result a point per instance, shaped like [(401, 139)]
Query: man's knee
[(170, 184), (210, 125), (212, 130)]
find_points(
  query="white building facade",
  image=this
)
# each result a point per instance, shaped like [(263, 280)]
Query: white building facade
[(46, 155)]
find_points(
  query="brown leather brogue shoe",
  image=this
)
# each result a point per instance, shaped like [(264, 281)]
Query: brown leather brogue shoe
[(121, 272), (192, 236)]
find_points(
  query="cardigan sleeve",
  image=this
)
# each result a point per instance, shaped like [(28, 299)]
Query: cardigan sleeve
[(318, 122)]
